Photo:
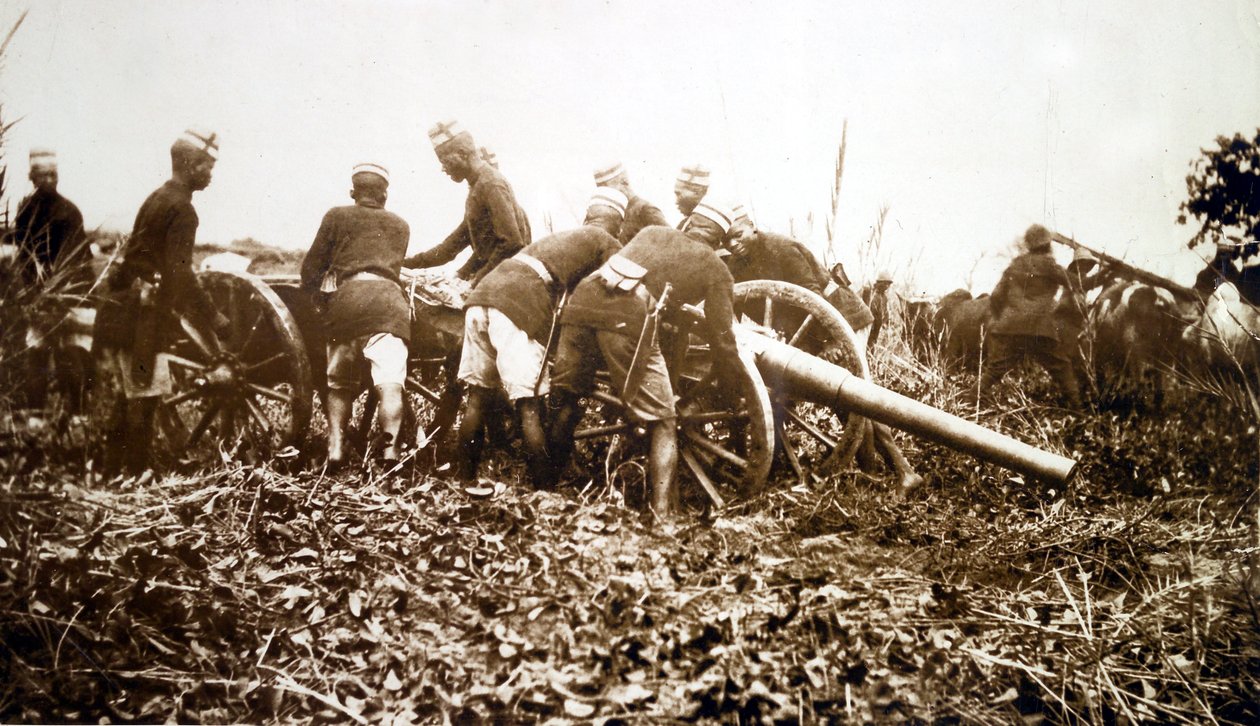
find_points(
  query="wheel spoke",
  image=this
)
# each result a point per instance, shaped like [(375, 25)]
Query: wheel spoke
[(196, 338), (608, 398), (258, 415), (188, 395), (768, 315), (711, 416), (253, 328), (713, 448), (181, 361), (203, 423), (698, 472), (810, 429), (271, 393), (264, 361), (789, 451), (595, 432), (800, 332)]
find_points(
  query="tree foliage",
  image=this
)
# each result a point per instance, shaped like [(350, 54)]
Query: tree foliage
[(1224, 193)]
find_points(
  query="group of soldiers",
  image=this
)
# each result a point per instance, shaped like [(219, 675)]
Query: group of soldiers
[(582, 297)]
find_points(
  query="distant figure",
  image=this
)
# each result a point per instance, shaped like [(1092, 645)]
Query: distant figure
[(689, 188), (47, 232), (508, 319), (47, 224), (146, 293), (880, 438), (603, 321), (640, 213), (225, 262), (494, 225), (354, 260), (879, 305), (1023, 318), (1073, 309)]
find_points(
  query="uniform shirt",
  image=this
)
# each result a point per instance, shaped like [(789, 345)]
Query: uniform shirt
[(769, 256), (692, 268), (515, 289), (161, 245), (47, 224), (360, 238), (640, 213), (1023, 301), (494, 225)]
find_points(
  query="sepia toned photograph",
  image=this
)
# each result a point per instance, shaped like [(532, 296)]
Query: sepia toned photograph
[(435, 362)]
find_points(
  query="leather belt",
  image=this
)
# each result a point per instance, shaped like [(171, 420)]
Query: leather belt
[(536, 265), (368, 277)]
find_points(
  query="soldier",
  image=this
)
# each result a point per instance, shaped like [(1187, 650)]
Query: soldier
[(48, 231), (879, 305), (509, 319), (689, 188), (1023, 318), (640, 213), (354, 260), (494, 225), (1072, 309), (759, 255), (604, 319), (149, 289), (47, 224)]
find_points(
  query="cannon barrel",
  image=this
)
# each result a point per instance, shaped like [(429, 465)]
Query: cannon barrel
[(807, 377)]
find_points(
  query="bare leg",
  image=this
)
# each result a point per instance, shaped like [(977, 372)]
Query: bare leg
[(389, 413), (339, 405), (663, 465), (529, 412), (908, 479), (471, 434)]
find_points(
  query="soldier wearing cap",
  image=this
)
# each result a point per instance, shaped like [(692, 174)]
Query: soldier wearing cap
[(1073, 308), (689, 188), (494, 225), (1023, 318), (47, 224), (152, 286), (759, 255), (509, 317), (640, 212), (354, 260), (604, 319), (47, 231), (879, 304)]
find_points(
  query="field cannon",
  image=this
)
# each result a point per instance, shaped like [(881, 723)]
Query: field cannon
[(804, 388)]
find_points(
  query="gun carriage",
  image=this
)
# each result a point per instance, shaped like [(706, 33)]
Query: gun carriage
[(804, 388)]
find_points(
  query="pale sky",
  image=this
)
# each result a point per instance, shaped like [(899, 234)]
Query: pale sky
[(969, 120)]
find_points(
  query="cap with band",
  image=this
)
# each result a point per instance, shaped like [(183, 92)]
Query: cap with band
[(607, 173), (445, 132), (207, 142), (604, 197), (695, 175), (43, 160), (716, 213), (370, 168)]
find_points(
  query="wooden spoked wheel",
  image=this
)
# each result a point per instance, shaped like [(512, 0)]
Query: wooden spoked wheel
[(813, 439), (725, 436), (245, 394)]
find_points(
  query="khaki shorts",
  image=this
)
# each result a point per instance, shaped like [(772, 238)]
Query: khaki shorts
[(582, 349), (385, 353), (497, 354)]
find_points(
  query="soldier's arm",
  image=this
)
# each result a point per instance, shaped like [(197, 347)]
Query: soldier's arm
[(797, 267), (651, 216), (444, 252), (319, 257), (181, 235), (501, 207), (997, 300)]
